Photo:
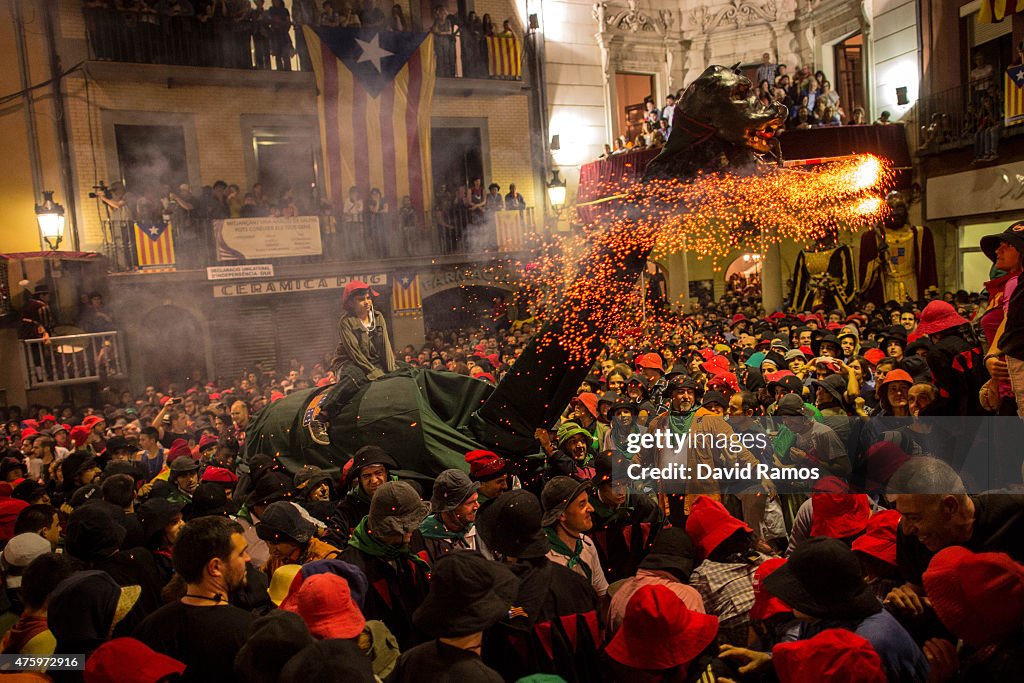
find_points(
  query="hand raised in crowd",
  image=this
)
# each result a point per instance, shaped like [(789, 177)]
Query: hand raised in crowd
[(754, 660), (906, 600)]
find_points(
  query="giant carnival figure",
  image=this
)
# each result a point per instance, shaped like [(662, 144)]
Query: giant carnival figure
[(429, 419), (897, 259)]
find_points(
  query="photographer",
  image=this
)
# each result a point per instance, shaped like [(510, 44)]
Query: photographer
[(121, 213)]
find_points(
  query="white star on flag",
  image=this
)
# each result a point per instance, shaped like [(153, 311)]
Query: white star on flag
[(372, 52), (154, 231), (1019, 76)]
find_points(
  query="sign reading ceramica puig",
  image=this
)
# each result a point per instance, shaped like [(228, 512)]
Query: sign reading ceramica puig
[(296, 284), (500, 275)]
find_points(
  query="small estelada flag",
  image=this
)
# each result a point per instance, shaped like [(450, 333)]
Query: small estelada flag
[(154, 244)]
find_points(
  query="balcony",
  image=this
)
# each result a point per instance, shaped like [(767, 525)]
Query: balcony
[(405, 239), (151, 38), (957, 118), (73, 359)]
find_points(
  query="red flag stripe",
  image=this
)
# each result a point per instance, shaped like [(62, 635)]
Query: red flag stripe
[(412, 127), (330, 114), (387, 105)]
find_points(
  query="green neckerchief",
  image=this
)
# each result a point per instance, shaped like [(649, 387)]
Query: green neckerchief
[(680, 423), (433, 527), (363, 540), (603, 513), (562, 549)]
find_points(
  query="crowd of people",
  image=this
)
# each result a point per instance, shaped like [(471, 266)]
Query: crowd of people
[(138, 529), (252, 34)]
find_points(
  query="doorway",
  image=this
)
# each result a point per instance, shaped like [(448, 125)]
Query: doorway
[(456, 157), (849, 65), (151, 158), (631, 90), (285, 159)]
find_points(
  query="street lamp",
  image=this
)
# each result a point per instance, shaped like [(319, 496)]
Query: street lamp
[(50, 216), (556, 190)]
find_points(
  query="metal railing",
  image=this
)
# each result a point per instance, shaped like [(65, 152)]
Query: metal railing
[(73, 359), (956, 118), (141, 35), (395, 235)]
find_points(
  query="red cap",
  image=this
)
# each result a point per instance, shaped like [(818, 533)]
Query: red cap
[(725, 379), (354, 287), (682, 634), (92, 421), (837, 513), (834, 655), (650, 360), (487, 376), (978, 596), (939, 316), (738, 318), (767, 605), (323, 381), (78, 436), (879, 538), (47, 418), (883, 459), (484, 465), (207, 441), (710, 523), (164, 400), (127, 660), (716, 365), (215, 396), (276, 396), (707, 354), (219, 475), (588, 399), (324, 601), (9, 509), (28, 433), (179, 448), (874, 355), (29, 423), (897, 375)]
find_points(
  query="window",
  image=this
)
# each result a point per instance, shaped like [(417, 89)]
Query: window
[(849, 72), (285, 160), (151, 159), (456, 157), (630, 92)]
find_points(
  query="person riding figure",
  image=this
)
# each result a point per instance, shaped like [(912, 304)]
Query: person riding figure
[(363, 354)]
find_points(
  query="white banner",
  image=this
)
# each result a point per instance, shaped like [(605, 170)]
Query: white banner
[(235, 272), (257, 238), (297, 284)]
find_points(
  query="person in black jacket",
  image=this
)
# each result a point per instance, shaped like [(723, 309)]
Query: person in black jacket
[(956, 363), (371, 468)]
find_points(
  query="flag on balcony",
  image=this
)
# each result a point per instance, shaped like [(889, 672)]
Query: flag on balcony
[(405, 294), (154, 244), (375, 90), (1013, 96), (503, 57), (992, 11)]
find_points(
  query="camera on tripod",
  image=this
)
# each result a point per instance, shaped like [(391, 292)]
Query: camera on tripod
[(101, 190)]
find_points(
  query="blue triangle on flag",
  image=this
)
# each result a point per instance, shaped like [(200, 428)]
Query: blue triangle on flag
[(1016, 74), (374, 57), (152, 230)]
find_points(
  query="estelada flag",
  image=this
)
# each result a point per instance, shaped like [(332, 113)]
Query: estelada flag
[(375, 91), (406, 298), (1013, 96), (154, 244), (992, 11)]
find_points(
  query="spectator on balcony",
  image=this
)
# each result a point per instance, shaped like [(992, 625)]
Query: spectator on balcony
[(493, 201), (215, 205), (619, 146), (826, 93), (506, 30), (329, 17), (352, 219), (260, 197), (981, 77), (397, 22), (280, 42), (477, 202), (857, 117), (303, 14), (488, 24), (444, 42), (371, 16), (95, 318), (378, 222), (986, 139), (803, 119), (766, 70), (829, 117), (260, 21), (668, 110), (651, 113), (647, 131), (459, 218), (513, 200), (409, 224), (883, 118), (36, 316)]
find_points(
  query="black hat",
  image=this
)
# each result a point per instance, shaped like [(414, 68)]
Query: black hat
[(791, 405), (715, 398), (606, 465), (451, 489), (310, 477), (183, 465), (896, 333), (75, 464), (370, 455), (93, 532), (209, 499), (611, 397), (259, 465), (672, 552), (333, 659), (468, 594), (83, 494), (270, 487), (120, 467), (828, 337), (273, 641), (119, 443), (835, 385), (511, 525), (916, 367), (28, 490), (1013, 235), (557, 494), (823, 578), (682, 382), (156, 514), (284, 521), (790, 383)]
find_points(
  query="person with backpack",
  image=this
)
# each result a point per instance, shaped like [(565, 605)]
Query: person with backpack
[(957, 364)]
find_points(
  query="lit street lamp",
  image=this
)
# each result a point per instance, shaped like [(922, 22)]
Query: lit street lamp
[(50, 216), (556, 190)]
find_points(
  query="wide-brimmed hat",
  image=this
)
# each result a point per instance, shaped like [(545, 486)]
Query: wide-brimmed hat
[(765, 604), (208, 499), (183, 465), (558, 493), (835, 385), (834, 655), (452, 488), (567, 430), (659, 631), (468, 594), (816, 343), (939, 316), (128, 660), (272, 486), (791, 405), (879, 537), (329, 660), (370, 455), (714, 398), (93, 532), (511, 525), (978, 596), (710, 523), (281, 582), (273, 640), (325, 603), (396, 508), (672, 552), (156, 514), (1013, 235), (650, 360), (589, 401), (823, 578), (93, 593), (838, 513), (353, 575), (285, 521), (310, 477)]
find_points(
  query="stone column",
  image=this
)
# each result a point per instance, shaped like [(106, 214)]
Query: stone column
[(771, 279)]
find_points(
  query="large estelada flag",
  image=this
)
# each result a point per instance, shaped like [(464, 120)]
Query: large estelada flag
[(1013, 96), (992, 11), (406, 298), (154, 244), (375, 92)]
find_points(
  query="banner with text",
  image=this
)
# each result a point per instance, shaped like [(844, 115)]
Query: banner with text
[(296, 284), (258, 238)]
